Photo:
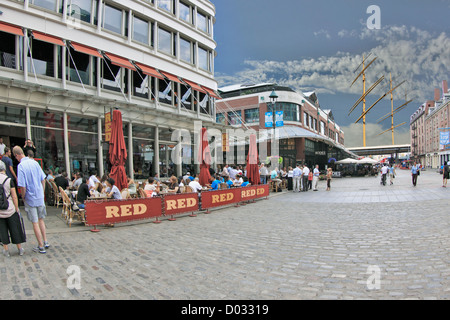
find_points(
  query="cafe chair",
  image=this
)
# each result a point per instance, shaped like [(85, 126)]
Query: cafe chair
[(142, 193), (56, 194), (125, 194)]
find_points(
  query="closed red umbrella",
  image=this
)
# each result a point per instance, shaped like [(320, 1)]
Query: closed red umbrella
[(252, 162), (118, 152), (204, 158)]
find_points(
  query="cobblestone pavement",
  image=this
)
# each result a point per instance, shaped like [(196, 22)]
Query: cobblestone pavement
[(358, 241)]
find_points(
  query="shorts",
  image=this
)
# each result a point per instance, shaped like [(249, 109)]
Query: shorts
[(35, 213)]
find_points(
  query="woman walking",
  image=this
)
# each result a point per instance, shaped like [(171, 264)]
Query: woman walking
[(329, 175), (11, 227)]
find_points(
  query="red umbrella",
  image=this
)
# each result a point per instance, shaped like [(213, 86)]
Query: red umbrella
[(204, 158), (118, 152), (252, 162)]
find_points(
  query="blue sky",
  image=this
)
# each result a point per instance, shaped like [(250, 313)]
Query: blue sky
[(316, 45)]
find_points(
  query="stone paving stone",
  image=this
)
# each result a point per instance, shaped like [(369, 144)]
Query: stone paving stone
[(293, 246)]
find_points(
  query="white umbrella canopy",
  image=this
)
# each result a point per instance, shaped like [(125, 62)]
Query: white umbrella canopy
[(367, 161), (347, 161)]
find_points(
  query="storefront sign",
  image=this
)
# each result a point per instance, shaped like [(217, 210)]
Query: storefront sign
[(108, 126), (212, 199), (225, 143), (180, 203), (114, 211)]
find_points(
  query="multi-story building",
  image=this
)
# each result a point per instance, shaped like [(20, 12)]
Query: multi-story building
[(64, 64), (426, 124), (309, 135)]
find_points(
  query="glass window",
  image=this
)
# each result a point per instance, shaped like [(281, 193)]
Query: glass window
[(205, 106), (41, 61), (140, 84), (140, 30), (78, 67), (7, 50), (186, 50), (168, 5), (186, 97), (82, 10), (234, 118), (202, 22), (251, 115), (185, 12), (220, 118), (289, 110), (12, 114), (165, 41), (203, 59), (46, 4), (165, 91), (111, 76), (112, 19)]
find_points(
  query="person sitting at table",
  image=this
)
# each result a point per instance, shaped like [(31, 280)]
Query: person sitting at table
[(195, 185), (78, 180), (238, 181), (112, 191), (173, 186), (151, 189), (216, 183), (132, 189), (83, 193), (245, 183), (62, 181), (228, 181)]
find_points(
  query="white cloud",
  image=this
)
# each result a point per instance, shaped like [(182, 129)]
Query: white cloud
[(411, 54), (322, 32)]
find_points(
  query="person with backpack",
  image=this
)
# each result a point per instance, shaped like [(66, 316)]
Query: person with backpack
[(11, 224)]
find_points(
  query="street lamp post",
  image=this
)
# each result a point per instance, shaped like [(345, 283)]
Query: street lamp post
[(273, 98)]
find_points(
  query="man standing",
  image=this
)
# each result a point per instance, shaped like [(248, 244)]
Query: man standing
[(9, 164), (296, 176), (2, 147), (305, 177), (414, 173), (29, 145), (31, 181), (316, 174)]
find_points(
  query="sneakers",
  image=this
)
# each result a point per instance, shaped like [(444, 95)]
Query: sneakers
[(46, 245), (39, 249), (21, 251), (6, 253)]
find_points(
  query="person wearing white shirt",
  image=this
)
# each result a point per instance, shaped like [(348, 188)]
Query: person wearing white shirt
[(2, 147), (296, 176), (93, 180), (238, 181), (195, 185), (316, 174)]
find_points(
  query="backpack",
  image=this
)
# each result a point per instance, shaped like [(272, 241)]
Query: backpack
[(4, 203)]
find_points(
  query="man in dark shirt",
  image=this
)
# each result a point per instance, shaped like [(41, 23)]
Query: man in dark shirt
[(83, 193), (29, 145), (9, 164), (61, 181)]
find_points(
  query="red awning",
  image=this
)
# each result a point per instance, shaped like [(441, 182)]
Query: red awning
[(194, 86), (149, 71), (85, 49), (171, 77), (211, 92), (48, 38), (9, 28), (119, 61)]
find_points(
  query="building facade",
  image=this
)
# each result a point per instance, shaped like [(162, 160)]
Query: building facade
[(66, 64), (426, 125), (309, 135)]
